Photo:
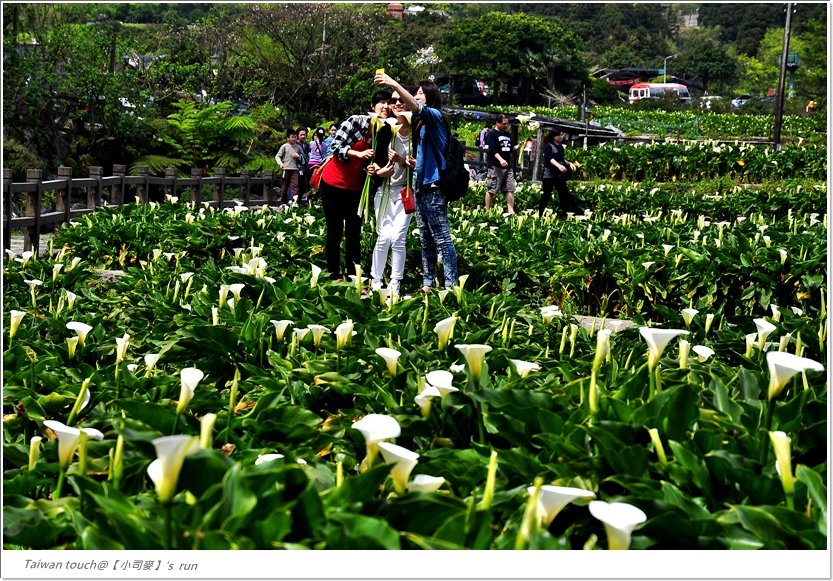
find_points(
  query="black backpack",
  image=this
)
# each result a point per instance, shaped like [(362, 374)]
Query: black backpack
[(454, 179)]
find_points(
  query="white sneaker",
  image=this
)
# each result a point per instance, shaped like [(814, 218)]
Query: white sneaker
[(376, 284), (393, 287)]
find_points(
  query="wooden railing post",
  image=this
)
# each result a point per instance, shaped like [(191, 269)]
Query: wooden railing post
[(220, 188), (63, 197), (7, 209), (196, 189), (94, 194), (170, 188), (117, 191), (31, 235), (142, 189), (268, 193), (246, 188)]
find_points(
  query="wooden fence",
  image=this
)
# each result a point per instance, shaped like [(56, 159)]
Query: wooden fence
[(78, 196)]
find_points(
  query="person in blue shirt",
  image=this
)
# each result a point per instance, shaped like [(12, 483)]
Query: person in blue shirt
[(431, 131)]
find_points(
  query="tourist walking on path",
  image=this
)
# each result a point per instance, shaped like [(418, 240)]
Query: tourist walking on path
[(317, 154), (482, 145), (317, 149), (556, 172), (288, 159), (500, 177), (303, 170), (431, 132), (341, 186), (392, 220)]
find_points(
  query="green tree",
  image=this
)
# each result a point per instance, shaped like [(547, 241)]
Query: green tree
[(704, 59), (620, 35), (518, 54), (65, 95), (201, 137), (309, 58)]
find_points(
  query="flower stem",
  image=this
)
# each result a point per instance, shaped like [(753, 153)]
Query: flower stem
[(168, 527), (56, 494), (655, 381), (592, 395), (764, 431)]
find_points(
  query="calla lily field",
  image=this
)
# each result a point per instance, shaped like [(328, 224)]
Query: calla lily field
[(220, 392)]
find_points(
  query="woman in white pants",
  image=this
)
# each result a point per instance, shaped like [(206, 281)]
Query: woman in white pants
[(391, 220)]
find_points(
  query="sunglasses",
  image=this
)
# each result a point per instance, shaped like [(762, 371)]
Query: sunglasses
[(396, 101)]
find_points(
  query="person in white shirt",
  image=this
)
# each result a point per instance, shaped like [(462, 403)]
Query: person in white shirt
[(392, 220)]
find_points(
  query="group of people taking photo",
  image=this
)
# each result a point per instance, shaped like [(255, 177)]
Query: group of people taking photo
[(403, 168)]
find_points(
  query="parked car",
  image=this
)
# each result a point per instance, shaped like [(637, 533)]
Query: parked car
[(707, 100), (740, 101), (465, 90)]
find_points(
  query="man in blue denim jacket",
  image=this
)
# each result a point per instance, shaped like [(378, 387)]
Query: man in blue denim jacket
[(432, 134)]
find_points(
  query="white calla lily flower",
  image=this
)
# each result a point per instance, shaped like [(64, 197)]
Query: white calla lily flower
[(189, 379), (236, 289), (783, 366), (316, 272), (72, 345), (552, 499), (68, 440), (619, 520), (425, 483), (423, 400), (207, 430), (658, 340), (300, 333), (403, 461), (765, 328), (444, 330), (121, 347), (264, 458), (317, 333), (688, 316), (170, 455), (474, 354), (709, 321), (71, 296), (783, 460), (376, 428), (224, 288), (344, 334), (442, 380), (549, 312), (524, 367), (15, 317), (150, 360), (391, 357), (280, 327), (81, 329), (703, 353), (34, 451)]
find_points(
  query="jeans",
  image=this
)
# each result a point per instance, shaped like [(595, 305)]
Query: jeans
[(435, 235), (341, 217)]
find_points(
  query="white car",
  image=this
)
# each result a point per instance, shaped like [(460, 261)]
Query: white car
[(740, 101)]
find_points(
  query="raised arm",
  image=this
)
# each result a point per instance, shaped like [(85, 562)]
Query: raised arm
[(407, 99)]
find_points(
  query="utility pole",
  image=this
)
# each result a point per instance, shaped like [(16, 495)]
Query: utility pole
[(779, 99)]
